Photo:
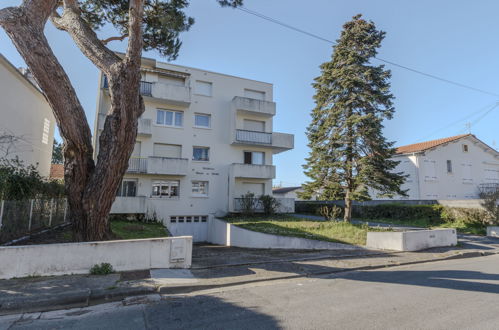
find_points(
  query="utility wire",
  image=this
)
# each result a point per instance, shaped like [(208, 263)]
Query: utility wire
[(488, 108), (273, 20)]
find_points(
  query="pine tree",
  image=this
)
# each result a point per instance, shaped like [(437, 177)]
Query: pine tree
[(349, 155)]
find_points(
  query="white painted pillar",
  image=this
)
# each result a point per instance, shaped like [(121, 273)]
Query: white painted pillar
[(1, 212), (30, 214), (50, 214)]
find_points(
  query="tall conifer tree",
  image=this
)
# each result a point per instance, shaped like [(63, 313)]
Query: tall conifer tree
[(349, 155)]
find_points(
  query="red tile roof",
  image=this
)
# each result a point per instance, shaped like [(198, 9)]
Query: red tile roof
[(57, 172), (422, 146)]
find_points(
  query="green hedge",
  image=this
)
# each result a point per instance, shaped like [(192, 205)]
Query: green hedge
[(435, 214)]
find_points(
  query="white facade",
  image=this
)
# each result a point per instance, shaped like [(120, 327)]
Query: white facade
[(452, 170), (26, 115), (204, 140)]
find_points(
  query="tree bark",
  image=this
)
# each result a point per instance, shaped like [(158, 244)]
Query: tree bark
[(90, 188), (347, 217)]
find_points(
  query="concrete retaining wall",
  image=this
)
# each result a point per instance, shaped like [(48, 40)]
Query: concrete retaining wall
[(78, 258), (411, 240), (493, 231), (224, 233)]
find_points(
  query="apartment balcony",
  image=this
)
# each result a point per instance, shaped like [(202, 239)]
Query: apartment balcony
[(129, 205), (253, 106), (161, 92), (278, 141), (252, 171), (158, 165), (144, 125)]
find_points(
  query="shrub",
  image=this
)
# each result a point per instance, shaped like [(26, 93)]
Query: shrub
[(270, 204), (331, 213), (102, 269), (489, 194), (248, 203), (400, 211)]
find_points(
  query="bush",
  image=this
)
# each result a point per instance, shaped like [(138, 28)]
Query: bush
[(331, 213), (102, 269), (248, 203), (270, 204), (433, 213)]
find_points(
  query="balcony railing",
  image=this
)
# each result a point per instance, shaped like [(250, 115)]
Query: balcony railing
[(146, 88), (178, 95), (137, 165), (158, 165), (253, 137), (253, 171)]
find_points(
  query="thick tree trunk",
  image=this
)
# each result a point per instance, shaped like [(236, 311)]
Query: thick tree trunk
[(90, 188)]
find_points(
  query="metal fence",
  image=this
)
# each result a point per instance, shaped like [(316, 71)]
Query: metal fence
[(22, 217)]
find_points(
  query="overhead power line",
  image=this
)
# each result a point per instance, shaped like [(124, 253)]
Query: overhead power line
[(429, 75)]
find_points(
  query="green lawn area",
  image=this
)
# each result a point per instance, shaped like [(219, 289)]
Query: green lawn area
[(338, 232), (461, 226), (136, 229)]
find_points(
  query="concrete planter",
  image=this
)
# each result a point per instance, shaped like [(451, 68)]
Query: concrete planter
[(78, 258), (493, 231), (224, 233), (411, 240)]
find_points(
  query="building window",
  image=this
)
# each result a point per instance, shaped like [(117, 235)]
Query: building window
[(169, 118), (201, 120), (201, 154), (200, 188), (449, 166), (165, 189), (46, 131), (254, 125), (203, 88), (252, 94), (465, 148), (254, 157), (127, 188)]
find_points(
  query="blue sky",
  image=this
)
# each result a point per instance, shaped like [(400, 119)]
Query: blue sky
[(454, 39)]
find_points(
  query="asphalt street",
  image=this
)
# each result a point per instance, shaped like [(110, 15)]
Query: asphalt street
[(455, 294)]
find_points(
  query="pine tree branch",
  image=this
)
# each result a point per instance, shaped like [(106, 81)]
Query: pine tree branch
[(108, 40), (84, 36), (134, 50)]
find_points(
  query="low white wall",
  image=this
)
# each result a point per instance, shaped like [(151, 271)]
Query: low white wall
[(78, 258), (224, 233), (493, 231), (286, 205), (411, 240)]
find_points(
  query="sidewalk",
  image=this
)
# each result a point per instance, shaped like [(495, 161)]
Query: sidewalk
[(214, 267)]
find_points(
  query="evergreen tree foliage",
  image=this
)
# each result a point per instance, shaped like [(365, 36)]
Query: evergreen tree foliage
[(349, 153), (57, 154)]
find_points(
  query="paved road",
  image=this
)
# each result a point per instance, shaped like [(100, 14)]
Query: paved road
[(456, 294)]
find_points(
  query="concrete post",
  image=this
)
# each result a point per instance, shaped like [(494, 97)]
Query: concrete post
[(1, 212), (30, 214), (50, 214), (65, 210)]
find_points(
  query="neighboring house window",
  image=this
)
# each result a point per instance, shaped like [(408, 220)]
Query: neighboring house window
[(252, 94), (201, 153), (430, 170), (169, 118), (165, 189), (200, 188), (254, 157), (449, 166), (465, 148), (203, 88), (202, 120), (46, 131), (128, 188), (467, 173)]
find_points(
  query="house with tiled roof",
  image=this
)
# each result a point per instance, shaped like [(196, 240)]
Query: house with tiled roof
[(289, 192), (448, 168)]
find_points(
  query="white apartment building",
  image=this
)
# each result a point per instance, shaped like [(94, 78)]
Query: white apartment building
[(27, 117), (204, 140), (447, 169)]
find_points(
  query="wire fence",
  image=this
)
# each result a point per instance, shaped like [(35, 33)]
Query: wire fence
[(22, 217)]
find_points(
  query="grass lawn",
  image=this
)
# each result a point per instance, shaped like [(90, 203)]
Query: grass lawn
[(462, 227), (135, 229), (338, 232)]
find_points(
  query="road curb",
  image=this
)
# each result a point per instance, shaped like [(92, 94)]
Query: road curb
[(87, 297)]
